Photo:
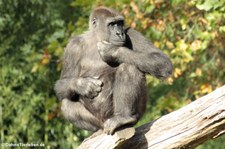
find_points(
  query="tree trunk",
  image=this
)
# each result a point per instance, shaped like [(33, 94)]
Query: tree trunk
[(187, 127)]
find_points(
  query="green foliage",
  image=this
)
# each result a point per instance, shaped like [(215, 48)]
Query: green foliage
[(33, 34)]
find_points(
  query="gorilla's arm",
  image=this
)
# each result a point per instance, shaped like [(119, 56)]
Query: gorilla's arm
[(155, 63), (70, 84), (139, 52), (145, 56)]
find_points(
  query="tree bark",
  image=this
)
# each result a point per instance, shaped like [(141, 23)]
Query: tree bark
[(187, 127)]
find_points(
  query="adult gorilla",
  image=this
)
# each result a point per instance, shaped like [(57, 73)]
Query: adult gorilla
[(102, 84)]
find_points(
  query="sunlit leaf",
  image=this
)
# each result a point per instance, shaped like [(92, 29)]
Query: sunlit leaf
[(177, 72), (207, 5), (35, 68), (181, 45), (149, 8), (206, 88), (222, 29), (198, 72), (196, 45), (169, 44)]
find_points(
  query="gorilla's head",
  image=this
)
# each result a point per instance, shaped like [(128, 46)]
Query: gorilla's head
[(108, 25)]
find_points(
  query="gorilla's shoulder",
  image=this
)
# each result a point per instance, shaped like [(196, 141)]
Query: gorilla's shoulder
[(75, 43), (136, 38), (76, 39), (132, 32)]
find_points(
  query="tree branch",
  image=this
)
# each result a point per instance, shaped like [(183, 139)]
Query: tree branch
[(187, 127)]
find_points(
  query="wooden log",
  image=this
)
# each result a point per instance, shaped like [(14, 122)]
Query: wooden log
[(188, 127)]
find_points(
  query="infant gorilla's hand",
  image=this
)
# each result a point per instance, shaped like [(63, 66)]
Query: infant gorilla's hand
[(88, 87), (107, 51)]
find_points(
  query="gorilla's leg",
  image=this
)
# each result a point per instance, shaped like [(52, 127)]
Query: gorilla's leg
[(79, 115), (128, 96)]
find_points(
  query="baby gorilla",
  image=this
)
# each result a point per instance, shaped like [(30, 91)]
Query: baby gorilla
[(102, 84)]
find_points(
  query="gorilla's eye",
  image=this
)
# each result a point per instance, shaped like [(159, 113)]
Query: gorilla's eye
[(116, 23), (112, 24), (120, 23)]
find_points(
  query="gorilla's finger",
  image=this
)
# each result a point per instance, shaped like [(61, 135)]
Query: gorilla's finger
[(97, 82)]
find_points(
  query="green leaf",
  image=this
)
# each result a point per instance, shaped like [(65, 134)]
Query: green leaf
[(207, 5), (149, 9), (176, 2), (222, 29)]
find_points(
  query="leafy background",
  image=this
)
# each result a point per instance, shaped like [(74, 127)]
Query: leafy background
[(33, 34)]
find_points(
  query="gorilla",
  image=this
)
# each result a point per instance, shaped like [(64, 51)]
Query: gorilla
[(102, 84)]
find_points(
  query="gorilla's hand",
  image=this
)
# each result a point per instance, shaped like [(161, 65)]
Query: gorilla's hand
[(87, 87), (107, 51)]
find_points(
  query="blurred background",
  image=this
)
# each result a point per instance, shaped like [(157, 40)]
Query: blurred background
[(33, 34)]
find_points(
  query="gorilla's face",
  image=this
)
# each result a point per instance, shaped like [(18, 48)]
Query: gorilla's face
[(108, 25), (116, 31)]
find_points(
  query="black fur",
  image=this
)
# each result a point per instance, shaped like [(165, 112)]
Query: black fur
[(102, 83)]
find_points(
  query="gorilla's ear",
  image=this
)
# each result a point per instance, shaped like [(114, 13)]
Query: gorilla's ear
[(94, 22)]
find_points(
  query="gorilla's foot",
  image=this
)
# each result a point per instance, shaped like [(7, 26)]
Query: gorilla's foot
[(115, 122)]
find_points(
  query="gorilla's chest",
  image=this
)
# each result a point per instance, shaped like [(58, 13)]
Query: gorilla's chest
[(91, 65)]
